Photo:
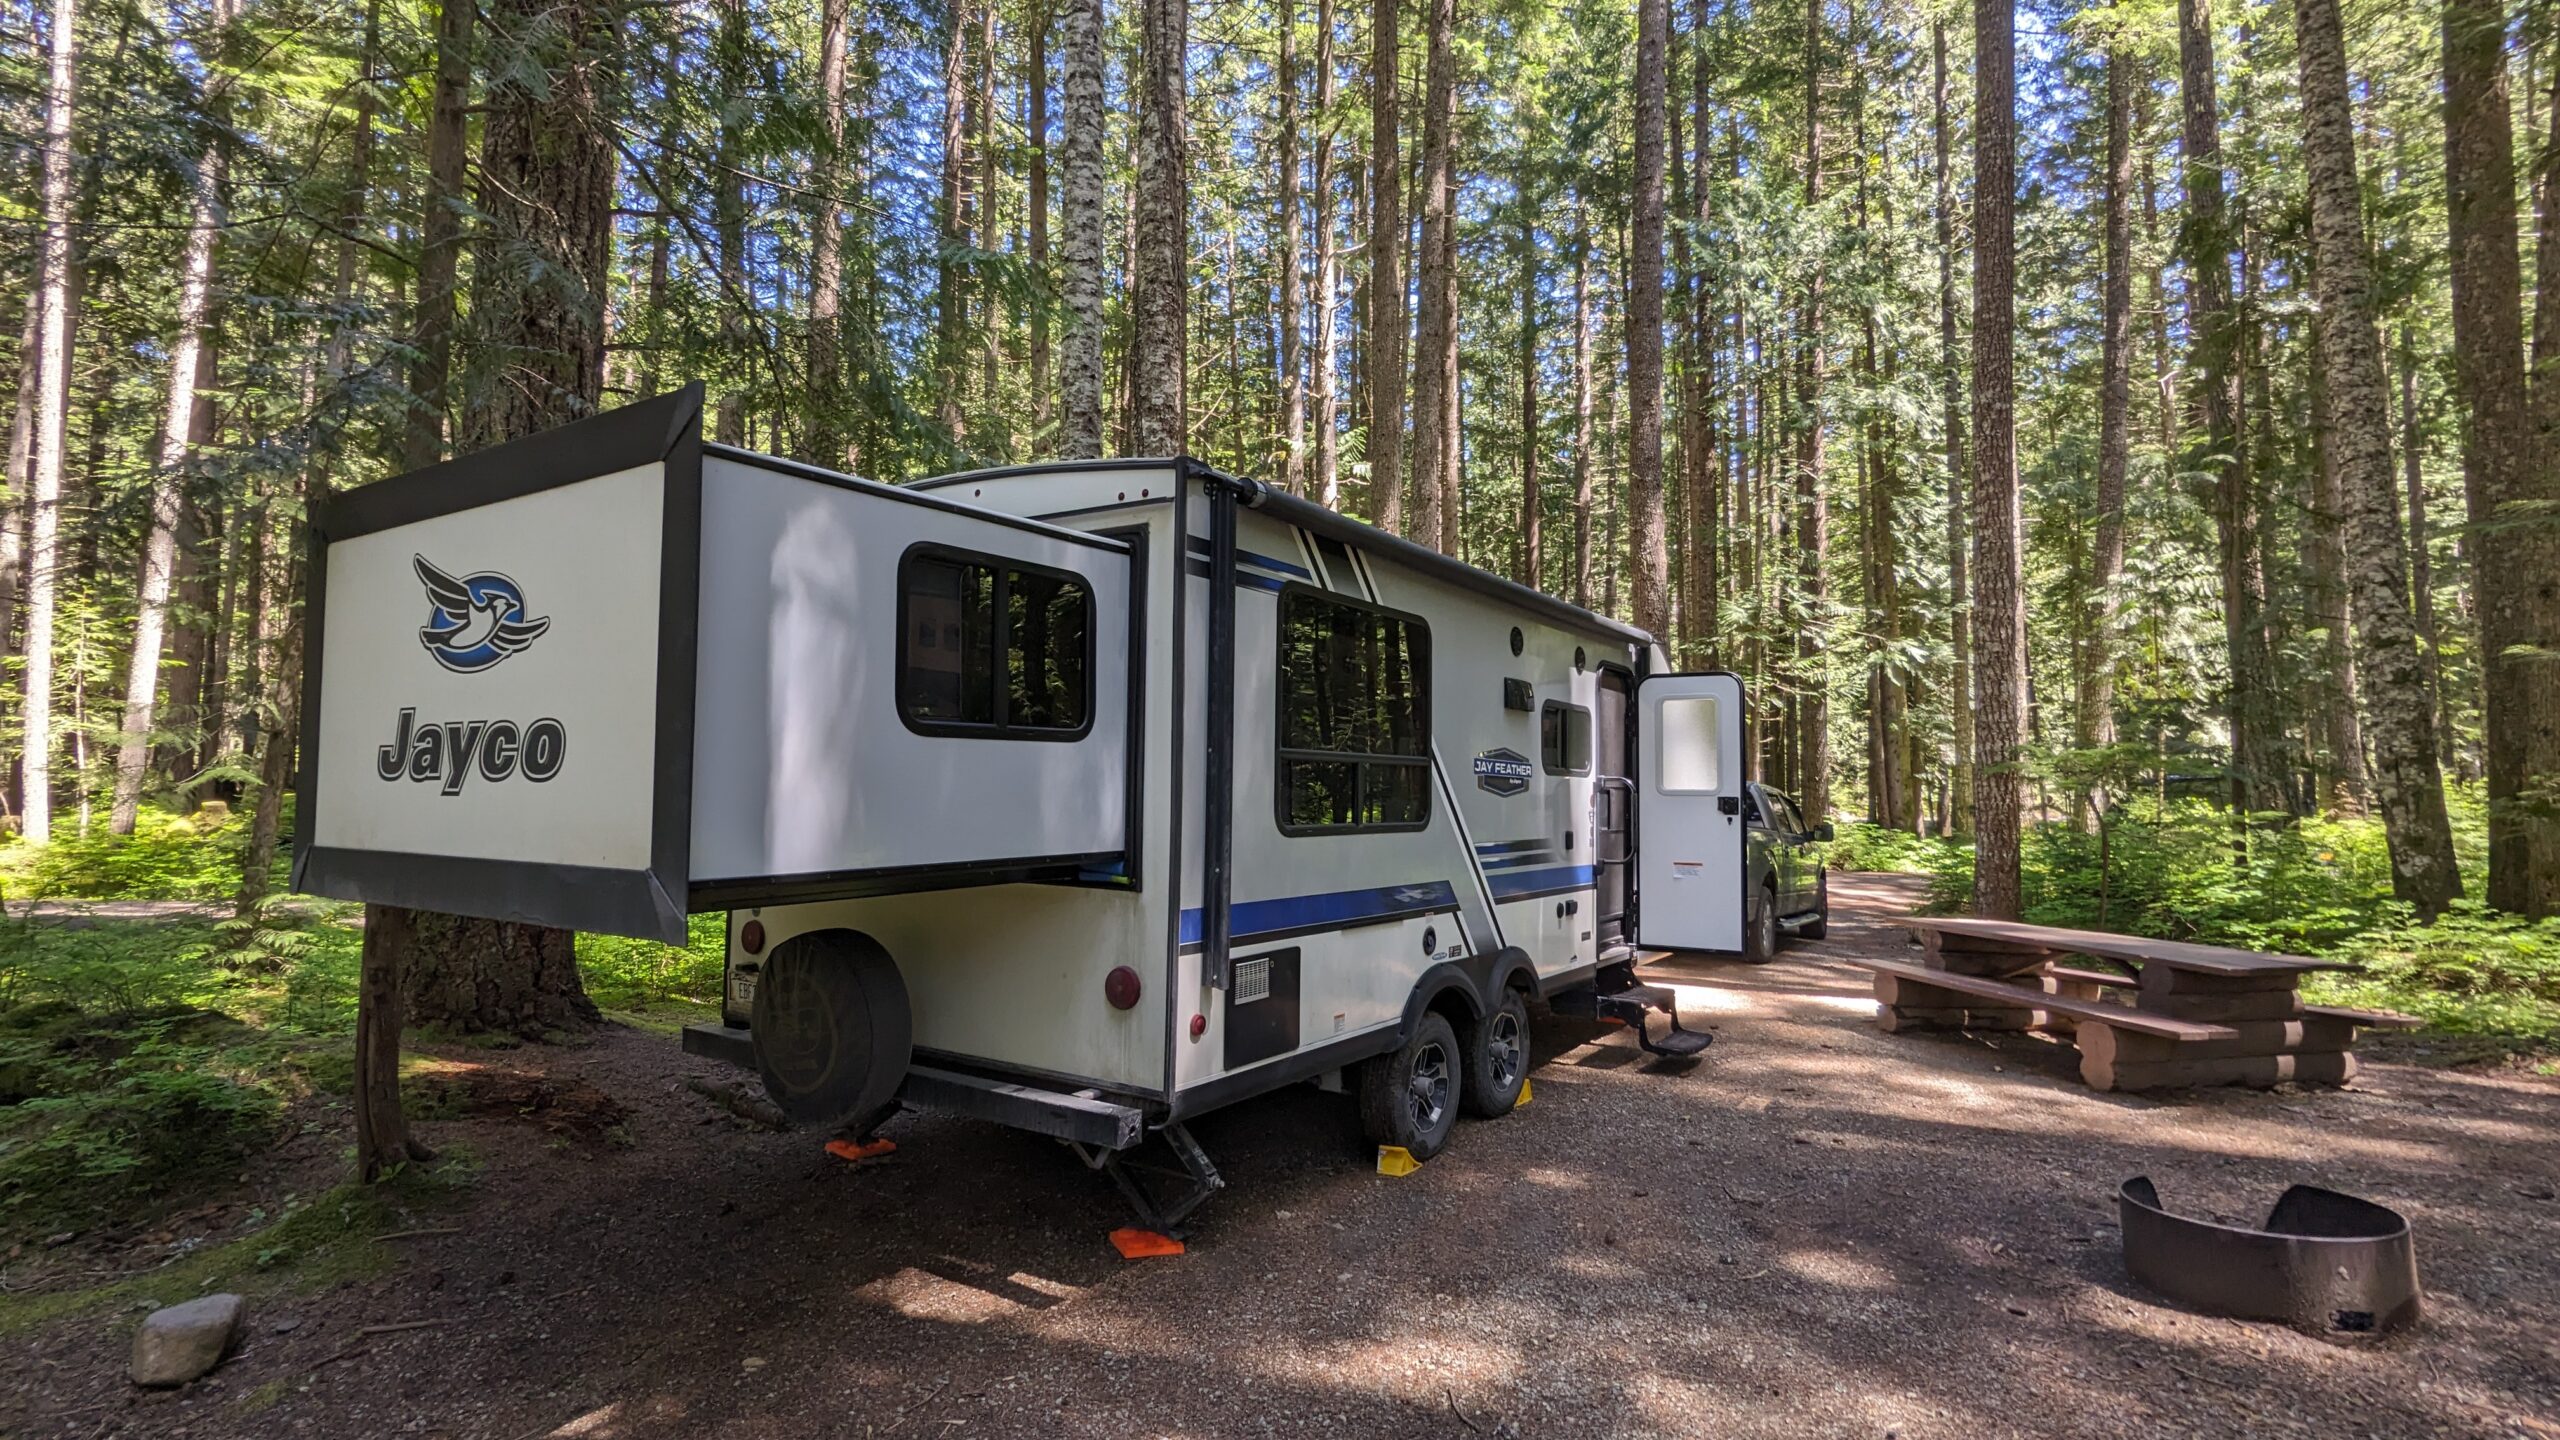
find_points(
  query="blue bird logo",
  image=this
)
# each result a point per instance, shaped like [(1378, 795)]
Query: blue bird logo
[(476, 621)]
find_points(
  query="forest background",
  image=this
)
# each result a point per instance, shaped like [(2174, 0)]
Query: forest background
[(2118, 445)]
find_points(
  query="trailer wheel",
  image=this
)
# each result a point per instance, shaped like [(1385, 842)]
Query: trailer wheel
[(1760, 929), (1410, 1098), (1498, 1060), (833, 1033)]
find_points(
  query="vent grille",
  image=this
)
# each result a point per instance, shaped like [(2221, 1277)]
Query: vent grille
[(1252, 980)]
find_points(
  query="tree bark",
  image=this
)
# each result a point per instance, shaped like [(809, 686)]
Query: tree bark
[(177, 437), (383, 1141), (951, 301), (53, 382), (2338, 703), (823, 414), (2223, 452), (2096, 720), (1081, 218), (1293, 287), (2507, 467), (1581, 403), (1813, 505), (2422, 584), (440, 237), (547, 176), (1163, 201), (1435, 359), (1386, 278), (1035, 203), (1999, 600), (1533, 509), (1328, 299), (1960, 773), (1648, 555), (2407, 785)]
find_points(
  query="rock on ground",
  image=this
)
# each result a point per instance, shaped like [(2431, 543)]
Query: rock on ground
[(181, 1342)]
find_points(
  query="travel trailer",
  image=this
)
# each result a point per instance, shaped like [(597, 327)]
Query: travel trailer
[(1083, 797)]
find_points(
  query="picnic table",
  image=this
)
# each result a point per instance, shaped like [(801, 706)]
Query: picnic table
[(2145, 1014)]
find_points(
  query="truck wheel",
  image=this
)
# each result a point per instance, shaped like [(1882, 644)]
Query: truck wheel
[(833, 1033), (1820, 924), (1410, 1098), (1760, 929), (1498, 1061)]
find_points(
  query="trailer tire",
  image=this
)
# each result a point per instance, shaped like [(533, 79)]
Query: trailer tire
[(833, 1032), (1760, 929), (1498, 1058), (1410, 1098)]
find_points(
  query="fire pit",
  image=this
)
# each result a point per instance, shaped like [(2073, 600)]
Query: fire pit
[(2324, 1262)]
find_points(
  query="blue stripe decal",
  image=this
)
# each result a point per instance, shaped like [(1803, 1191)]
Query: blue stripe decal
[(1338, 908), (1510, 884), (1496, 847), (1514, 862)]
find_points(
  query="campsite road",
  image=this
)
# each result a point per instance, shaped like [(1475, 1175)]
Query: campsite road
[(1821, 1230)]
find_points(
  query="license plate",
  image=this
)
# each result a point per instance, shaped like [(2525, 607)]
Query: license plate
[(742, 987)]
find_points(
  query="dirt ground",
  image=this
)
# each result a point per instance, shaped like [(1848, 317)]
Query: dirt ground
[(1821, 1230)]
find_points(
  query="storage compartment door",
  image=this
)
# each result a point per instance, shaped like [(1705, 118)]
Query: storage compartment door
[(1689, 846), (900, 691)]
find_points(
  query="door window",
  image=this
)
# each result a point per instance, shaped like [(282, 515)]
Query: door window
[(1688, 746), (1564, 738)]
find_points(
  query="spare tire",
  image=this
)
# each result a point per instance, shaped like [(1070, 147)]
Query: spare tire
[(832, 1030)]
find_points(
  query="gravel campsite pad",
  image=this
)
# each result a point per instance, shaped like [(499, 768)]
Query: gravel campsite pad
[(1821, 1230)]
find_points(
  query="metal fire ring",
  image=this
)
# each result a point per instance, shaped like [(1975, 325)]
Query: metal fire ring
[(2325, 1262)]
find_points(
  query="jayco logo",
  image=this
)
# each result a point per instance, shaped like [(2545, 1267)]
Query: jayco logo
[(476, 621), (1503, 771)]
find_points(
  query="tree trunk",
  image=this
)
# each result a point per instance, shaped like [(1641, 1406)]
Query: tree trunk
[(1328, 473), (440, 237), (1999, 599), (1081, 218), (2506, 465), (1293, 289), (1960, 710), (1581, 403), (1648, 555), (2422, 582), (729, 219), (2407, 786), (383, 1141), (1435, 359), (2096, 720), (1386, 278), (1035, 203), (2215, 326), (2337, 703), (950, 297), (1813, 506), (53, 381), (547, 176), (822, 416), (1163, 199)]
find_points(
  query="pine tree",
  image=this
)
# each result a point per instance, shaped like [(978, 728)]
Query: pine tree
[(1999, 590)]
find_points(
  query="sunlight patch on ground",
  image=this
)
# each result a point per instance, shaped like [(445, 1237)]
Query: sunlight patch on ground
[(1710, 998), (923, 1295), (1555, 1179), (1054, 1289), (1830, 1267)]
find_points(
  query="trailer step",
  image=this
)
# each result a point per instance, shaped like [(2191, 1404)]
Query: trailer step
[(1633, 1007)]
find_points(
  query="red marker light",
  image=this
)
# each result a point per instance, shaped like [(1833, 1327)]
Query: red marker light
[(751, 937), (1120, 987), (1199, 1026)]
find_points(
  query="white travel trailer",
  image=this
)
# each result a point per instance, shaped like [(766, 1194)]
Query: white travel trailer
[(1083, 797)]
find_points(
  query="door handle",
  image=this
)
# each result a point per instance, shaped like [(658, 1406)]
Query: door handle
[(1728, 804)]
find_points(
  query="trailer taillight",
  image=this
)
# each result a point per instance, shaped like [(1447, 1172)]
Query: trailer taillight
[(751, 937), (1120, 987)]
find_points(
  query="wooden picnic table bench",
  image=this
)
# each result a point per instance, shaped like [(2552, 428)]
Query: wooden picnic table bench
[(2193, 1014)]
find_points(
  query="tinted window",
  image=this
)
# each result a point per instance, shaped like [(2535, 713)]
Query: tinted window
[(1355, 716), (1564, 738), (967, 621)]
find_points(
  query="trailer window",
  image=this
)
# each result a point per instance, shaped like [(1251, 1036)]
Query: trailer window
[(1355, 717), (1564, 738), (992, 649), (1688, 753)]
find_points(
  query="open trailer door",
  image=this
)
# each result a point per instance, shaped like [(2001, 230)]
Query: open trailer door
[(1689, 827), (608, 675)]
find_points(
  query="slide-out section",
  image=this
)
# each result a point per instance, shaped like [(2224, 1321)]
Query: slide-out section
[(607, 675)]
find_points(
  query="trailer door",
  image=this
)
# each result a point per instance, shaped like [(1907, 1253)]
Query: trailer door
[(1689, 849)]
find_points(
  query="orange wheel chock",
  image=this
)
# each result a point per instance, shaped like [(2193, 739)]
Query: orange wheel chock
[(1136, 1244), (850, 1150)]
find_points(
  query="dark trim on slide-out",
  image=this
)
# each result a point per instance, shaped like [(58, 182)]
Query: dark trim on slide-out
[(740, 894), (647, 902)]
